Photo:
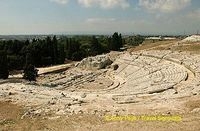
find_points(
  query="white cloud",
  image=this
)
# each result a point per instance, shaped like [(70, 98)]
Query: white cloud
[(110, 25), (60, 1), (195, 14), (165, 6), (105, 3), (100, 20)]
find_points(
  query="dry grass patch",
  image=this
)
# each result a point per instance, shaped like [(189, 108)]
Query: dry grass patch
[(149, 45)]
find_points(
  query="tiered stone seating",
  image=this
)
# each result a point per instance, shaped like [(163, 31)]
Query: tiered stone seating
[(156, 53), (149, 74)]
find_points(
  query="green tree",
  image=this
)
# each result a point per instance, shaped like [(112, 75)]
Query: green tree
[(135, 40), (96, 47), (115, 43), (60, 57), (55, 50), (3, 65), (30, 73), (71, 47), (120, 41), (85, 48), (15, 62), (77, 56)]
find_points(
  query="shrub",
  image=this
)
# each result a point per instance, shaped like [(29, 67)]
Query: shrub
[(115, 67), (30, 73)]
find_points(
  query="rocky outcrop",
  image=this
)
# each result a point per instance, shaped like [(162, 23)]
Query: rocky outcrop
[(193, 38), (95, 63)]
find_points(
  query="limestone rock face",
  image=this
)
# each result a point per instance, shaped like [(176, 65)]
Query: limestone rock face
[(193, 38), (95, 63)]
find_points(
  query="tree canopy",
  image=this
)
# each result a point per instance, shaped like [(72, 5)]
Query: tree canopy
[(3, 65), (18, 55)]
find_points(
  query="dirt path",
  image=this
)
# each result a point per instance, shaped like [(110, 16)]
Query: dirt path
[(10, 120), (47, 70)]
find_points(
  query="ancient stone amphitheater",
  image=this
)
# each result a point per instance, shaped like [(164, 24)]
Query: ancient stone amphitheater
[(146, 81)]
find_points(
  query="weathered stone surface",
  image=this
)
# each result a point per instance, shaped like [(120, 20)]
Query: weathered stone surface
[(147, 80), (193, 38), (83, 95), (95, 63)]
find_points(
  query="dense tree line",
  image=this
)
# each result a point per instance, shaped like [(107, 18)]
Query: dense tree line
[(115, 42), (17, 55), (3, 65), (39, 52), (135, 40), (78, 48)]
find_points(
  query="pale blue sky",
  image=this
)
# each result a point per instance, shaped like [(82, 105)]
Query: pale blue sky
[(99, 16)]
